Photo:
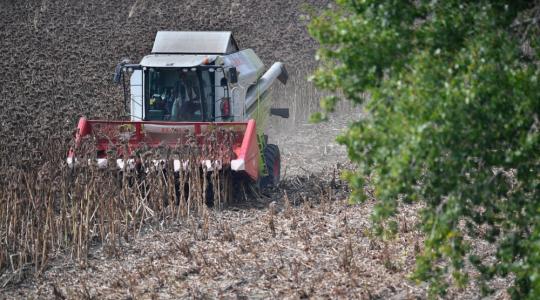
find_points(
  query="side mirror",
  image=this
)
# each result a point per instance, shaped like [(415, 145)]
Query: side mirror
[(117, 73), (118, 70), (232, 75)]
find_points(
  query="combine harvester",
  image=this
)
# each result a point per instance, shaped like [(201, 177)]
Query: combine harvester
[(197, 94)]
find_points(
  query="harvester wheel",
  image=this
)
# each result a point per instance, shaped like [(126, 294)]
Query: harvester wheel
[(273, 166)]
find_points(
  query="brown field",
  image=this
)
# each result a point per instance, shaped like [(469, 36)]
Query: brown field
[(69, 236)]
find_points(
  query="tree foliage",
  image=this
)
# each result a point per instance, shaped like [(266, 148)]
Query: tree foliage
[(452, 120)]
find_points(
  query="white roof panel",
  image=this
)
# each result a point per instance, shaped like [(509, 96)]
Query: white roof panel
[(175, 60), (193, 42)]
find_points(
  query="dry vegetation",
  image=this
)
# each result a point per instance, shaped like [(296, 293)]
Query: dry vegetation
[(307, 243)]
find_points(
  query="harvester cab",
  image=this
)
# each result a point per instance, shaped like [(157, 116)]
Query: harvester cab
[(192, 88)]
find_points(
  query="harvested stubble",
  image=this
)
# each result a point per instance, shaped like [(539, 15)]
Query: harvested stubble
[(300, 247), (58, 210)]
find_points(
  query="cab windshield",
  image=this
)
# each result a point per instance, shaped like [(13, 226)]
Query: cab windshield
[(185, 94)]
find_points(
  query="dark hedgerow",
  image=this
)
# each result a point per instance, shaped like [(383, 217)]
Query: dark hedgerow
[(452, 120)]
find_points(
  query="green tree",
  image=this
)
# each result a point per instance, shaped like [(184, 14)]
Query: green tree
[(452, 120)]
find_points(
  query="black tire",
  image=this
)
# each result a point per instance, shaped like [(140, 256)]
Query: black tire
[(272, 160)]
